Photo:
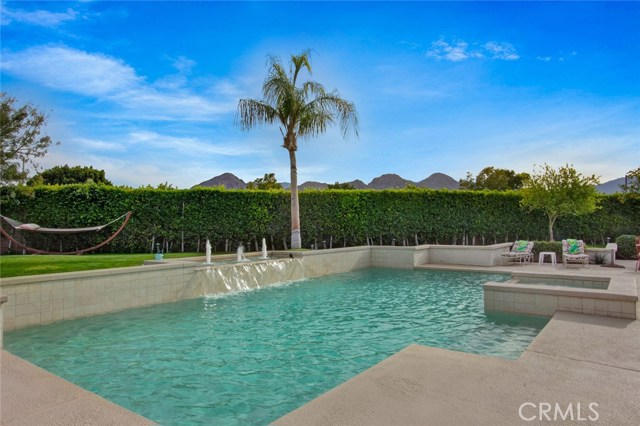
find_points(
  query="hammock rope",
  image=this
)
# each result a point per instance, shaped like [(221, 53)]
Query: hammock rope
[(32, 227)]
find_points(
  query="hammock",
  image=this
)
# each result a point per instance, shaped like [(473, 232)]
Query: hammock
[(32, 227)]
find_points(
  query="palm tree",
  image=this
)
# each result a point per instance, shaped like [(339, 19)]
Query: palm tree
[(302, 111)]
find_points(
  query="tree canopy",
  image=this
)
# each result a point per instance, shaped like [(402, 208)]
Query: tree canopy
[(265, 183), (338, 185), (631, 184), (494, 179), (65, 175), (560, 193), (20, 138), (301, 110)]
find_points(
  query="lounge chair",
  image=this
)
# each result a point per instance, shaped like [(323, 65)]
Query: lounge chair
[(573, 252), (521, 252)]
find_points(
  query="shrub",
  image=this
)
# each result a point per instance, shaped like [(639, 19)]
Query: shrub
[(626, 246), (599, 259), (554, 246), (184, 219)]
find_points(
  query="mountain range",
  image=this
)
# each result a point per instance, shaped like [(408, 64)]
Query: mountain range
[(386, 181), (610, 187)]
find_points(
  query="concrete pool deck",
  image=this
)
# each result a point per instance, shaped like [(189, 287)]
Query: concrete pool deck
[(575, 359), (31, 396)]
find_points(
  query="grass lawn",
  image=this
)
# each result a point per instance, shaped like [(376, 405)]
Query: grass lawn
[(20, 265)]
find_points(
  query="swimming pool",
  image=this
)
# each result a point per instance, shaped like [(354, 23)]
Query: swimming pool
[(251, 357)]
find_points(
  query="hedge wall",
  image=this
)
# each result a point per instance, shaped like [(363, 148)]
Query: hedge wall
[(181, 220)]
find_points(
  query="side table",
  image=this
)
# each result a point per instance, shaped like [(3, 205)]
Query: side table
[(551, 254)]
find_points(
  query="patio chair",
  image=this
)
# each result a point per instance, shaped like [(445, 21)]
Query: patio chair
[(521, 252), (573, 252)]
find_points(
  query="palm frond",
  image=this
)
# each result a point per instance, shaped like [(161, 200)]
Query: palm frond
[(302, 111), (252, 112), (312, 89), (300, 61), (314, 123), (331, 104)]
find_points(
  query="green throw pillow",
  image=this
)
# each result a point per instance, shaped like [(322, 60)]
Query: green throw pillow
[(574, 247), (521, 246)]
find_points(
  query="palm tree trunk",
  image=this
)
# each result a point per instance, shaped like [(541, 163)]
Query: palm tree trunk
[(296, 241)]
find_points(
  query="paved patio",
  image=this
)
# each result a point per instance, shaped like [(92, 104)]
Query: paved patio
[(31, 396), (576, 359)]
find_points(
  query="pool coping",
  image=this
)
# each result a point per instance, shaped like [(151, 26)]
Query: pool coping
[(89, 410)]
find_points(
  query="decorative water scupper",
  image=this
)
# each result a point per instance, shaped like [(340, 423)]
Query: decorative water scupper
[(247, 275)]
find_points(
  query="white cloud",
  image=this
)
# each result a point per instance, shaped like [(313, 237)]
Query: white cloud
[(97, 145), (503, 51), (558, 58), (193, 146), (42, 18), (110, 79), (184, 65), (71, 70), (457, 52), (460, 51)]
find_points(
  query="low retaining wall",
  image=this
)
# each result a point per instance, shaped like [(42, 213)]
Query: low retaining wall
[(318, 263), (468, 255), (43, 299), (324, 262)]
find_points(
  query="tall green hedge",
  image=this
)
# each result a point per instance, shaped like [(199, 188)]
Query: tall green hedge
[(183, 219)]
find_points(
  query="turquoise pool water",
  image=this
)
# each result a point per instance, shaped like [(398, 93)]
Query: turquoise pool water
[(249, 358)]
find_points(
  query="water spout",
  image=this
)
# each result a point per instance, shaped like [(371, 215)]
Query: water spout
[(246, 276), (264, 249), (208, 252), (241, 257)]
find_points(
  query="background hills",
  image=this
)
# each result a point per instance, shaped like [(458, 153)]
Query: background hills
[(385, 181)]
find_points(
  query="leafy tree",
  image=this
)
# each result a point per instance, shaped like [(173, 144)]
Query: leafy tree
[(65, 175), (632, 182), (560, 193), (469, 182), (339, 185), (494, 179), (165, 185), (20, 129), (162, 186), (265, 183), (303, 111)]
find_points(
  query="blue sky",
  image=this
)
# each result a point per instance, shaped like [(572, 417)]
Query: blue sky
[(148, 91)]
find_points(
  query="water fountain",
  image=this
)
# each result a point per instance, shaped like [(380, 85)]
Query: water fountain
[(241, 257), (264, 249), (243, 276), (208, 252), (246, 274)]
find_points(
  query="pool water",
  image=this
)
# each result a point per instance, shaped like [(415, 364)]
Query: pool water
[(249, 358)]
